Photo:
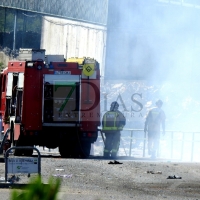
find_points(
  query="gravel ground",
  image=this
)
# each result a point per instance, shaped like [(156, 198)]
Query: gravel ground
[(95, 179)]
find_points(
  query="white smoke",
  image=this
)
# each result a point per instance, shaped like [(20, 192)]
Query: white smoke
[(158, 42)]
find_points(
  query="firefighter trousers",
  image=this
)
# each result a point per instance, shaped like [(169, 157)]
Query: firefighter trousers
[(153, 143), (112, 143)]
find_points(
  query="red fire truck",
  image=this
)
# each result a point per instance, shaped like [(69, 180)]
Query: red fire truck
[(49, 102)]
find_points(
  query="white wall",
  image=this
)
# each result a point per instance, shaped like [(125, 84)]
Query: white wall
[(74, 39)]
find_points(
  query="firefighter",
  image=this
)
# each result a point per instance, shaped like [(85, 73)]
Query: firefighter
[(154, 120), (113, 122)]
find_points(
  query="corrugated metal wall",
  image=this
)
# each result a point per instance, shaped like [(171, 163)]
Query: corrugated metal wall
[(93, 11), (73, 28), (74, 39)]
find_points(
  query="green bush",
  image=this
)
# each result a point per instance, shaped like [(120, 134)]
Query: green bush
[(1, 66), (36, 190)]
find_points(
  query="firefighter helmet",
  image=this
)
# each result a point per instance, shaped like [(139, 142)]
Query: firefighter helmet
[(114, 105), (159, 103)]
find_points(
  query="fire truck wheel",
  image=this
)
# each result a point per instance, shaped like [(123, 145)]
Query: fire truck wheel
[(18, 152), (28, 152), (23, 141), (85, 149), (64, 152), (22, 152)]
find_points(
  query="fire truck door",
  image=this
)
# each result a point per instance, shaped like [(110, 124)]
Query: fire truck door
[(61, 99), (9, 95), (20, 85)]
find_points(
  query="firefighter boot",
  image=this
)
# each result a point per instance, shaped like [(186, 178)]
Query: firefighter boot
[(106, 154), (113, 155), (153, 155)]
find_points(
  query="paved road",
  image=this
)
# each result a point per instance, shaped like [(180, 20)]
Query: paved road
[(95, 179)]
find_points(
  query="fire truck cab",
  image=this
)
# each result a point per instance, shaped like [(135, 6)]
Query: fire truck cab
[(49, 102)]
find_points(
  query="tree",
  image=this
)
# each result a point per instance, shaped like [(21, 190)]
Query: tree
[(1, 66)]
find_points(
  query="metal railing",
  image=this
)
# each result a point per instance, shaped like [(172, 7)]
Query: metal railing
[(174, 145)]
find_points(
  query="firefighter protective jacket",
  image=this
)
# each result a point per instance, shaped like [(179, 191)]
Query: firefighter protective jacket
[(155, 118), (113, 121)]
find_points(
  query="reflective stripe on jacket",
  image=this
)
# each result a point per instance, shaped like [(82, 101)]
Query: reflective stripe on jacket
[(111, 121)]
